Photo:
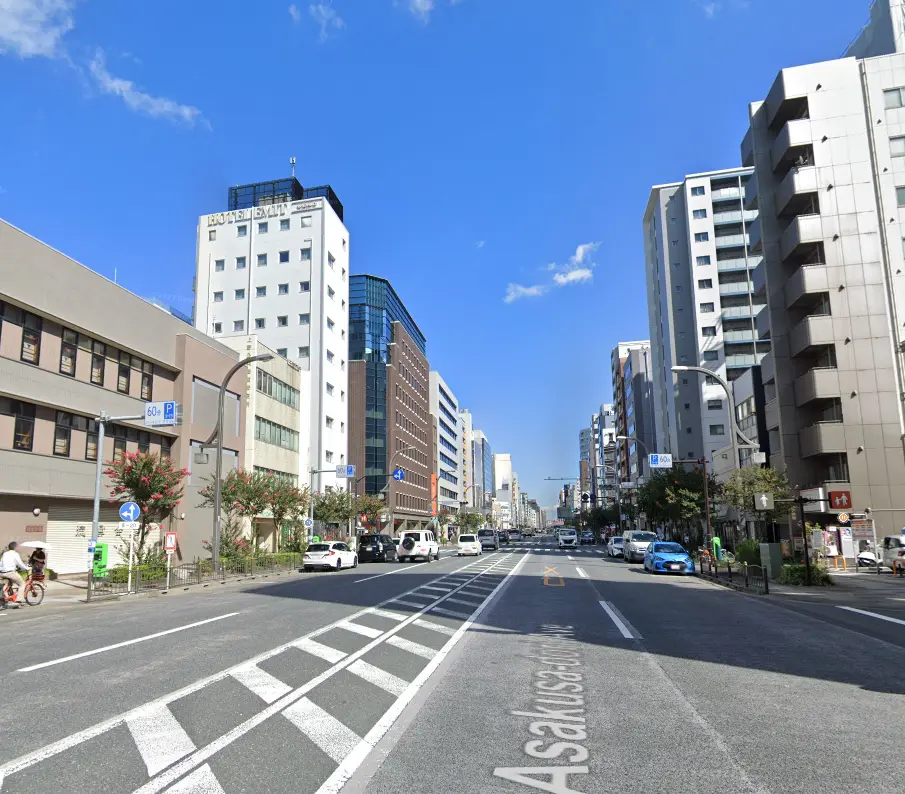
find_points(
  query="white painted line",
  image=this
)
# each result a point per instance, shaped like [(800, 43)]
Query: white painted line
[(321, 651), (569, 557), (873, 615), (386, 613), (412, 647), (201, 781), (412, 604), (380, 678), (263, 684), (462, 601), (581, 573), (451, 613), (439, 589), (470, 591), (623, 629), (388, 573), (327, 732), (357, 628), (124, 644), (160, 739), (426, 624)]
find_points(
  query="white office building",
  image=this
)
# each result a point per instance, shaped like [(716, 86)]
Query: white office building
[(466, 438), (701, 304), (450, 449), (502, 483), (275, 263)]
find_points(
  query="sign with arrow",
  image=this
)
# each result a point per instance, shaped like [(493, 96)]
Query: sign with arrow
[(399, 475), (763, 501)]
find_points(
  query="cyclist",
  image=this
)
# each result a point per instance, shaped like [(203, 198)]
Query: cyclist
[(10, 565)]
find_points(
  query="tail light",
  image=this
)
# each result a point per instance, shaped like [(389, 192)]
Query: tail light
[(332, 552)]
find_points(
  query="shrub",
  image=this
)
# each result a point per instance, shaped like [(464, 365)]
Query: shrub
[(748, 551), (795, 573)]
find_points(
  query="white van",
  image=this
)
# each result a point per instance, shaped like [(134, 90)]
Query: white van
[(635, 543), (568, 538)]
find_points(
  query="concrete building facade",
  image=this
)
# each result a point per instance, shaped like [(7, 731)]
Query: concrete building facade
[(450, 465), (482, 462), (634, 408)]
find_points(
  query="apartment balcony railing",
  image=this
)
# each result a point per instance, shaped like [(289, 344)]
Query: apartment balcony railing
[(741, 361), (739, 336), (804, 229), (807, 280), (823, 438), (725, 193), (738, 263), (812, 331), (771, 414), (794, 134), (730, 240), (797, 183), (820, 383), (736, 288), (767, 368), (762, 323), (734, 216), (737, 312)]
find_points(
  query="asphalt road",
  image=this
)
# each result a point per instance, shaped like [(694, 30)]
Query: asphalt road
[(516, 671)]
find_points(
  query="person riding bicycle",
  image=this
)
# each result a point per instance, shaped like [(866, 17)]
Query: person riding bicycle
[(10, 565)]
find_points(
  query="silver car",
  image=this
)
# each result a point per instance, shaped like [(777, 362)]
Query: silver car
[(634, 544), (614, 546)]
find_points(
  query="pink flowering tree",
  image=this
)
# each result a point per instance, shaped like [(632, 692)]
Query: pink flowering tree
[(152, 482)]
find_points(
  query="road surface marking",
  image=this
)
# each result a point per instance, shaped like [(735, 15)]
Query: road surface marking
[(439, 589), (873, 615), (570, 557), (552, 578), (623, 629), (426, 624), (462, 601), (357, 628), (327, 732), (324, 652), (380, 678), (412, 647), (581, 573), (160, 739), (123, 644), (450, 613), (385, 613), (201, 781), (413, 604), (388, 573), (262, 683)]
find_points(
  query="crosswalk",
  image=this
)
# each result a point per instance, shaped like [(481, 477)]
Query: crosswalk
[(379, 652)]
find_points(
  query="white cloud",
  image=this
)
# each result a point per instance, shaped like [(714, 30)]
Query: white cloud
[(139, 101), (710, 9), (573, 276), (295, 13), (422, 8), (326, 17), (479, 244), (583, 252), (515, 292), (34, 27)]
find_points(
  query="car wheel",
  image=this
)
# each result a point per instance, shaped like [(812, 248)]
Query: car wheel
[(339, 565), (437, 555), (306, 569), (355, 561), (429, 557)]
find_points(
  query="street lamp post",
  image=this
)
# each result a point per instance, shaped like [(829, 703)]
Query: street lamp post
[(218, 465)]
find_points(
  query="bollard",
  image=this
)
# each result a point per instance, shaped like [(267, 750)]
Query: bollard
[(746, 574), (729, 568)]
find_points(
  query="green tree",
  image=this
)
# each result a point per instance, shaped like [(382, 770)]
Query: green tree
[(740, 489), (243, 494), (469, 522), (676, 497), (333, 507), (152, 482), (370, 506), (285, 501)]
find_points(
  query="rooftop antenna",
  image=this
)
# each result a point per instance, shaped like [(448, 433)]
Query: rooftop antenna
[(292, 163)]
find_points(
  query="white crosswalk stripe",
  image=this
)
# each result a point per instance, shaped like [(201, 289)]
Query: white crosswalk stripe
[(321, 651), (462, 601), (381, 678), (405, 603), (451, 613), (426, 624), (201, 781), (386, 613), (412, 647), (262, 683), (160, 739), (357, 628), (327, 732)]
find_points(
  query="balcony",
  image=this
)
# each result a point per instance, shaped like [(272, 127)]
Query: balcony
[(771, 414), (813, 331), (807, 280), (803, 230), (736, 288), (740, 361), (730, 240), (787, 98), (733, 216), (748, 153), (824, 438), (767, 369), (728, 265), (817, 384), (740, 312), (725, 193), (749, 200), (759, 279), (794, 135), (799, 184), (762, 323), (754, 241), (738, 336)]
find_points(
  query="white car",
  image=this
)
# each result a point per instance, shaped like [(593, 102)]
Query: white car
[(614, 547), (469, 544), (634, 544), (418, 543), (515, 534), (568, 538), (329, 556)]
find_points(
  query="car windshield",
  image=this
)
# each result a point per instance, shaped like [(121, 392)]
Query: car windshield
[(567, 532), (669, 548), (485, 533), (369, 539), (617, 541), (644, 537), (466, 538), (319, 547), (412, 535)]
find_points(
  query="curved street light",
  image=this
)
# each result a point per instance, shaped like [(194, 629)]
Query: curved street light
[(747, 442)]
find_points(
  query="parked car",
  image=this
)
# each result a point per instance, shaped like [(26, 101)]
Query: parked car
[(418, 543), (469, 544), (634, 544), (515, 534), (568, 538), (587, 537), (893, 551), (488, 539), (663, 557), (614, 546), (376, 548), (330, 556)]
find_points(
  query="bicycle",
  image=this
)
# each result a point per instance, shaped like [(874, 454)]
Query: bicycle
[(34, 590)]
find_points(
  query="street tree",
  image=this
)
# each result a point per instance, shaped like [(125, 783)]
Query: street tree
[(333, 507), (369, 507), (285, 501), (675, 497), (243, 495), (744, 484), (469, 522)]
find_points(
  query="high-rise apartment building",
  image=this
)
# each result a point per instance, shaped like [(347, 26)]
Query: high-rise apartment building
[(502, 484), (603, 456), (482, 462), (701, 304), (389, 405), (450, 466), (466, 429), (275, 263), (634, 408), (828, 149), (584, 443)]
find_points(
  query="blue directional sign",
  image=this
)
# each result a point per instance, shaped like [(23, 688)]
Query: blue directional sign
[(161, 414), (399, 475), (350, 470), (129, 512)]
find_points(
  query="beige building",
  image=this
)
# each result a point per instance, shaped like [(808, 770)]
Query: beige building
[(73, 343)]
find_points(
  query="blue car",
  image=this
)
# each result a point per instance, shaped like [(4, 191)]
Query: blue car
[(662, 557)]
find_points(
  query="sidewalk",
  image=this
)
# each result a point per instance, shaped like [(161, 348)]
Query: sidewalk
[(849, 586)]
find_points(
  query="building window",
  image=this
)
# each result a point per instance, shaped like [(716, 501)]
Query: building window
[(328, 456), (304, 286), (147, 380), (218, 297), (705, 283), (331, 292), (262, 260), (282, 321), (119, 449), (306, 255), (900, 196), (706, 308), (31, 339), (305, 220), (283, 289), (238, 325), (711, 355), (284, 257), (262, 227), (24, 425), (218, 328), (675, 243), (273, 433), (714, 405), (344, 274), (91, 441), (242, 231), (212, 235), (331, 260), (123, 373), (897, 146), (329, 356), (708, 330), (284, 225), (239, 294), (330, 324), (304, 352), (240, 263), (342, 396), (678, 288), (703, 260), (717, 430), (260, 292), (62, 434), (894, 98), (711, 381), (98, 359), (698, 191), (144, 441), (701, 237), (699, 214), (329, 421), (260, 323), (329, 388), (282, 351), (304, 319), (219, 265), (68, 352)]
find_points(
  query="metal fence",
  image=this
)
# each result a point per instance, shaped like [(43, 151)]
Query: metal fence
[(735, 574), (120, 580)]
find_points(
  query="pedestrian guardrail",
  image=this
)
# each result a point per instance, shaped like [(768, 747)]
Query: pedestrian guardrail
[(121, 580), (739, 575)]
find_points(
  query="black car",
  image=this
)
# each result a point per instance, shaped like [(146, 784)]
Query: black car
[(376, 548), (504, 536)]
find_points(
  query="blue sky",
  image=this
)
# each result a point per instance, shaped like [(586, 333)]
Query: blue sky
[(475, 144)]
